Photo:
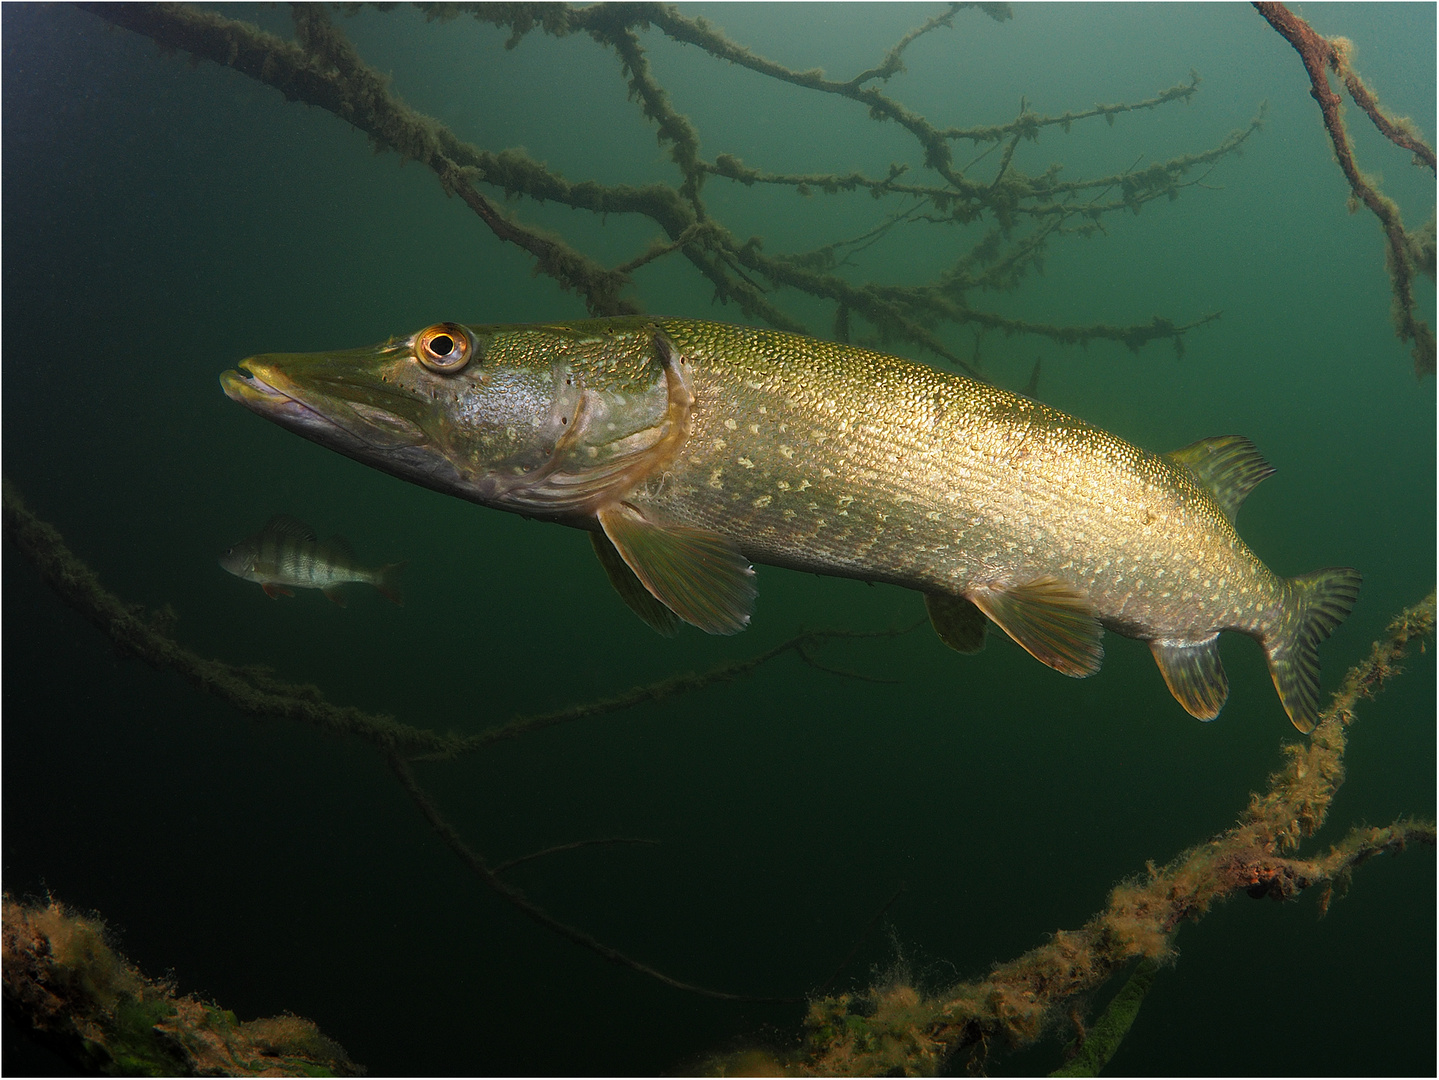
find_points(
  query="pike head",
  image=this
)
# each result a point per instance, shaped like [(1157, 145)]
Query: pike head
[(552, 421)]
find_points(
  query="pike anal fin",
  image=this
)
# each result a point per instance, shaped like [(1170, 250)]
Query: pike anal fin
[(1194, 674), (695, 573), (1053, 622)]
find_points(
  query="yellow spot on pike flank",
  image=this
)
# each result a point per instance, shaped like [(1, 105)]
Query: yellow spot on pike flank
[(715, 481), (786, 451), (783, 485), (754, 429), (731, 425), (762, 502), (746, 462)]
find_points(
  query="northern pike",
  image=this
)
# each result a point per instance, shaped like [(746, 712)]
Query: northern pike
[(690, 450), (286, 552)]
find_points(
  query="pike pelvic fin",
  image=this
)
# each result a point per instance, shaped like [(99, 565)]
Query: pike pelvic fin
[(1229, 467), (1050, 620), (956, 620), (1194, 674), (632, 590), (1318, 603), (695, 573)]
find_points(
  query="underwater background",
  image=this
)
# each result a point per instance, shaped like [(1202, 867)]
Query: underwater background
[(163, 219)]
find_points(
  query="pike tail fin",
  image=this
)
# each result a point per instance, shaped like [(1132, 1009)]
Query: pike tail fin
[(1318, 603), (387, 580)]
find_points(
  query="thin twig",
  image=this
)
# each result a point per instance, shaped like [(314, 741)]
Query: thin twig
[(509, 864), (858, 941), (510, 894)]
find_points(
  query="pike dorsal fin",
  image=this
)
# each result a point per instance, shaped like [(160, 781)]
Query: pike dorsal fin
[(285, 525), (632, 591), (1052, 621), (695, 573), (1194, 674), (959, 624), (1229, 467)]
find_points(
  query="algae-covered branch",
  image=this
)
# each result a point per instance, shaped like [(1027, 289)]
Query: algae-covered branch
[(993, 220)]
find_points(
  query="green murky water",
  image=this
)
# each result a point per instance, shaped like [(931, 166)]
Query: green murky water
[(163, 220)]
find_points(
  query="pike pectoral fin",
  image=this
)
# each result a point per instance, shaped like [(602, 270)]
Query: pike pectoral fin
[(693, 572), (632, 590), (1194, 674), (959, 624), (1050, 620)]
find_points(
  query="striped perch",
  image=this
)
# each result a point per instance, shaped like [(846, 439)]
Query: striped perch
[(286, 553)]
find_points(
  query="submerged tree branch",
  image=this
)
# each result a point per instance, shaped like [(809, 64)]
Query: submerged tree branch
[(1334, 54), (892, 1030), (321, 68), (253, 691)]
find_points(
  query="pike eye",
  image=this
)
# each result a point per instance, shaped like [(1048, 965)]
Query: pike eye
[(444, 348)]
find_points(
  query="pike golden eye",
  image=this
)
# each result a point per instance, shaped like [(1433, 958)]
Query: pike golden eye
[(444, 348)]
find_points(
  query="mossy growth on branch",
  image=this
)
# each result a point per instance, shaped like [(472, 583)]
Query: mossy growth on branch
[(78, 994)]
